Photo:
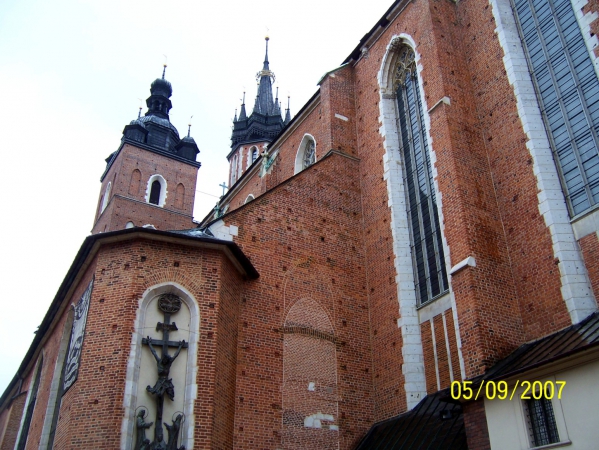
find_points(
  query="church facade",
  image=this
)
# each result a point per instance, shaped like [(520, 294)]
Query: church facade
[(411, 261)]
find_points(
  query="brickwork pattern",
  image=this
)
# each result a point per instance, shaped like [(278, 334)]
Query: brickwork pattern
[(590, 250), (305, 240), (475, 422), (128, 195), (13, 416)]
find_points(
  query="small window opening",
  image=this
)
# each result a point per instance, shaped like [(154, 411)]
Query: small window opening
[(541, 422), (155, 193)]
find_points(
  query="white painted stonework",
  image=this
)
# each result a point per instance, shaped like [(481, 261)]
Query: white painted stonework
[(221, 231), (141, 365), (576, 288)]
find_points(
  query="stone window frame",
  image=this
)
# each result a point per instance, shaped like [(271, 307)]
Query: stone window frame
[(163, 190), (106, 197), (249, 198), (409, 323), (27, 415), (134, 363), (301, 153)]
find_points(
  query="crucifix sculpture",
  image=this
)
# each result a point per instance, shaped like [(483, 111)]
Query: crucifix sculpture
[(168, 304)]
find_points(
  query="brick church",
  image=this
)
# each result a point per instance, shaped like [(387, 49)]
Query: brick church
[(410, 261)]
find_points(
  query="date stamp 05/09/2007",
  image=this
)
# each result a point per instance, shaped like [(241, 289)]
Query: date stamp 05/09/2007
[(537, 390)]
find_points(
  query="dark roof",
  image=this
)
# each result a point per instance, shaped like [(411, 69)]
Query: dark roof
[(432, 424), (576, 338), (89, 246)]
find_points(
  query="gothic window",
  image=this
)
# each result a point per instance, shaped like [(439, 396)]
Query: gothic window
[(249, 198), (156, 190), (430, 275), (35, 384), (254, 154), (568, 92), (306, 154), (106, 197)]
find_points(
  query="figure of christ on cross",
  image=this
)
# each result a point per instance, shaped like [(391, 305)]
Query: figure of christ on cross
[(164, 384)]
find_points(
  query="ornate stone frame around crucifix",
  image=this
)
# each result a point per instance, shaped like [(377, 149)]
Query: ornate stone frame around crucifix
[(169, 304)]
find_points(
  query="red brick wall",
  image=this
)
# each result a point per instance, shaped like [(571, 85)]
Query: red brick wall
[(139, 212), (304, 238), (536, 277), (227, 310), (590, 251), (475, 422), (13, 415)]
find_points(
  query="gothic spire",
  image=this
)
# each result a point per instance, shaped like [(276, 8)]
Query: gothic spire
[(287, 113), (276, 109), (242, 114), (265, 78)]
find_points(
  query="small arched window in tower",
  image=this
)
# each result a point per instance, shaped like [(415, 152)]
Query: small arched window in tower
[(306, 154), (180, 196), (254, 154), (156, 190), (106, 197), (249, 198), (135, 182)]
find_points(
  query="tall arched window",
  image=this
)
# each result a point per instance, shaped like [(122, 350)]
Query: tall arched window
[(254, 154), (430, 274), (568, 92), (31, 399), (234, 171), (106, 197)]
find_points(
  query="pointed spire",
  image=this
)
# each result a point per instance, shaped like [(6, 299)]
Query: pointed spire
[(235, 118), (265, 66), (163, 70), (242, 114), (287, 113), (276, 110)]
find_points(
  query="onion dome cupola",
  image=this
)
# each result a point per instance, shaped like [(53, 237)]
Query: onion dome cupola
[(265, 121), (155, 129)]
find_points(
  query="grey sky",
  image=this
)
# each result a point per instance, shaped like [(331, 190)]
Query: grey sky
[(72, 73)]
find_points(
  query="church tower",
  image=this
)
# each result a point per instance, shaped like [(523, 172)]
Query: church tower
[(150, 180), (252, 134)]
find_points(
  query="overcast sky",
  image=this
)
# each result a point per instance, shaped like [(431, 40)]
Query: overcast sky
[(72, 74)]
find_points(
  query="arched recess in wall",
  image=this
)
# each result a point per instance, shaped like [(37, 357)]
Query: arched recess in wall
[(310, 408), (106, 197), (157, 302), (30, 405), (180, 196), (306, 153), (249, 198), (135, 182), (156, 190)]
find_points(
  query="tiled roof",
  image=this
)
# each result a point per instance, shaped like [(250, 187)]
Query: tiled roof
[(573, 339), (433, 423)]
